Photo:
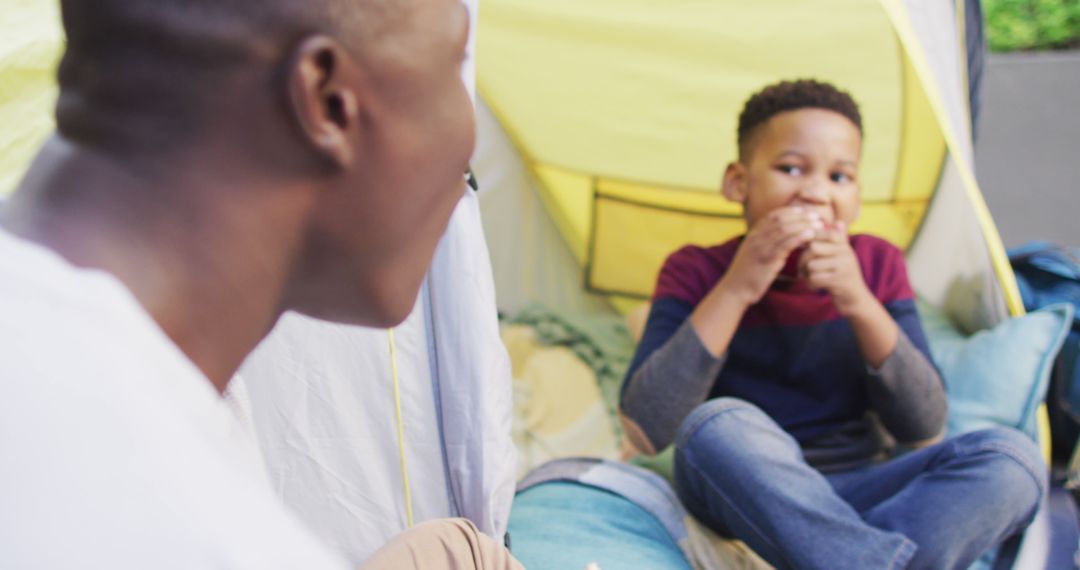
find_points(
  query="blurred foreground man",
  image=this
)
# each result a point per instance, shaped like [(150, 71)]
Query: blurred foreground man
[(217, 163)]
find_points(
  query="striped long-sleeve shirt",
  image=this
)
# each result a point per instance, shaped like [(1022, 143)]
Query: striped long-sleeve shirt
[(793, 356)]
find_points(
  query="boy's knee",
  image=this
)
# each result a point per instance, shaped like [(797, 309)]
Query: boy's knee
[(734, 421), (1014, 462), (1012, 444)]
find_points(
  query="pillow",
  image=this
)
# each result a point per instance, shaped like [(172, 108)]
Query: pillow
[(997, 376), (558, 407)]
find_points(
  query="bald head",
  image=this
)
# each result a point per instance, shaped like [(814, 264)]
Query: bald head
[(340, 128), (148, 74)]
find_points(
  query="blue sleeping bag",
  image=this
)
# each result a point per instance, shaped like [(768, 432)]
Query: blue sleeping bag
[(565, 523)]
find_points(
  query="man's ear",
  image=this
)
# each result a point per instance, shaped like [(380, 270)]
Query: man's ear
[(734, 184), (325, 104)]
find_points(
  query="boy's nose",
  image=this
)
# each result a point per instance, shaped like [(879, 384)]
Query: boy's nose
[(814, 192)]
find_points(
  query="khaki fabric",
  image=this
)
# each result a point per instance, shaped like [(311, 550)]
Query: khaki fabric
[(446, 544)]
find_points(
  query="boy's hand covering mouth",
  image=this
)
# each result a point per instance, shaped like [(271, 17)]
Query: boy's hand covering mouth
[(828, 263), (765, 249)]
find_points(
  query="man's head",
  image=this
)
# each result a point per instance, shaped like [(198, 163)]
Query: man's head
[(354, 107), (799, 144)]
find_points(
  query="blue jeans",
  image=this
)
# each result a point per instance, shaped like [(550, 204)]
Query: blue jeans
[(939, 507)]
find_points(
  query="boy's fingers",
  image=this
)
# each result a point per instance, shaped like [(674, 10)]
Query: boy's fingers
[(784, 230), (793, 215), (819, 275), (800, 230), (838, 233), (820, 266), (792, 241), (820, 271), (788, 213), (819, 251), (774, 235), (818, 248), (811, 218), (804, 260), (819, 281), (778, 229)]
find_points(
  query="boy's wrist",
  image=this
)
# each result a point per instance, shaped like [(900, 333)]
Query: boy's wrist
[(875, 330), (862, 303), (718, 315), (734, 295)]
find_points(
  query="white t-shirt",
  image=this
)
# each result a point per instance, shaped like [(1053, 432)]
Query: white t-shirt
[(115, 450)]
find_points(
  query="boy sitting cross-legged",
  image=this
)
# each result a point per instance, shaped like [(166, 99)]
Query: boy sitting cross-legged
[(784, 363)]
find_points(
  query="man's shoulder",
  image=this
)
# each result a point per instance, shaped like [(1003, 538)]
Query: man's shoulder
[(117, 439), (68, 322), (115, 433)]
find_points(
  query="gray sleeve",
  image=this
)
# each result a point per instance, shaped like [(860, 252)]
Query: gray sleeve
[(674, 380), (907, 394)]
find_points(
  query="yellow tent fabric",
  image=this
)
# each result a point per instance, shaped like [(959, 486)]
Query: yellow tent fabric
[(29, 50), (625, 114)]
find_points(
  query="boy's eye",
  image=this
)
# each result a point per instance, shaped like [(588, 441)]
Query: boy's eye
[(790, 169), (840, 177)]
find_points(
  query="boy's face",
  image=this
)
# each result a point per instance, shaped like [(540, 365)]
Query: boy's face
[(808, 158)]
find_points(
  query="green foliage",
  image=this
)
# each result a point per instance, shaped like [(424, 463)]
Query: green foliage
[(1015, 25)]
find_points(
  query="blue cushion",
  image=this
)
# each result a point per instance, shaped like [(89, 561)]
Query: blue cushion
[(997, 376), (564, 526)]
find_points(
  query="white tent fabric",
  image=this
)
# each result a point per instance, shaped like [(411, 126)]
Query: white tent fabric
[(322, 404), (323, 407), (532, 262), (952, 235), (472, 374)]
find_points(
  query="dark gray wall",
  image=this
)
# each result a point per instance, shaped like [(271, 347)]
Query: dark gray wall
[(1027, 150)]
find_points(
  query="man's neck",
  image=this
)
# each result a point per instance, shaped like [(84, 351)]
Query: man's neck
[(199, 253)]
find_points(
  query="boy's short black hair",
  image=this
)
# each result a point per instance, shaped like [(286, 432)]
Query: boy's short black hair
[(789, 96)]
